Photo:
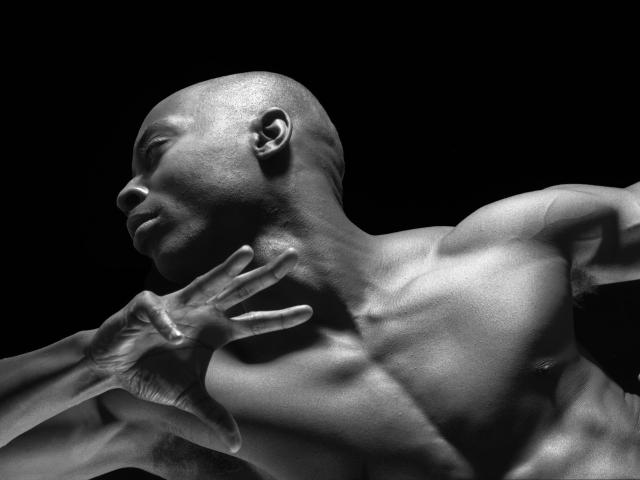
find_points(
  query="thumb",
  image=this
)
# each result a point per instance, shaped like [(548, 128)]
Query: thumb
[(198, 402)]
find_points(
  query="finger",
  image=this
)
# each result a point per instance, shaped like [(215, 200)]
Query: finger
[(198, 402), (248, 284), (210, 283), (149, 307), (257, 323)]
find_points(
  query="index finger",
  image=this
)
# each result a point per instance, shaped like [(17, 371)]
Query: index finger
[(257, 323)]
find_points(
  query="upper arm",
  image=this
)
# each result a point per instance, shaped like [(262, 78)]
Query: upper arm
[(597, 229)]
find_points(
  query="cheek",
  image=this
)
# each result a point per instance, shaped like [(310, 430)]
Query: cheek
[(183, 182), (205, 182)]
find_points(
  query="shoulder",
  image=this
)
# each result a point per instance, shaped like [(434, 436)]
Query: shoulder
[(541, 216)]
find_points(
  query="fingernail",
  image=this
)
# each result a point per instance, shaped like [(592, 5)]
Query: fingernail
[(244, 247), (306, 315), (233, 442), (285, 267), (176, 334)]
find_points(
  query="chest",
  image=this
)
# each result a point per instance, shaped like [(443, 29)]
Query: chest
[(481, 345), (477, 325), (471, 351), (325, 413)]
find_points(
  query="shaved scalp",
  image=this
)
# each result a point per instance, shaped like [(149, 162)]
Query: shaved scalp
[(248, 94)]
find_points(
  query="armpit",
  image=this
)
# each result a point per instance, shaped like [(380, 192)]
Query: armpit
[(633, 401), (179, 458), (582, 284)]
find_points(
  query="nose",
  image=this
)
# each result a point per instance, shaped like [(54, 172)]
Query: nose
[(132, 195)]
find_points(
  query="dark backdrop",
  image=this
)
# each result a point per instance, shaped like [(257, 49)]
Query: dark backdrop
[(431, 132)]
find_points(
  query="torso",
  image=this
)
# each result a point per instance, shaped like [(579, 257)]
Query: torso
[(466, 368)]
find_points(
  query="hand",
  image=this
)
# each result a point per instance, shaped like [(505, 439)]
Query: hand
[(159, 348)]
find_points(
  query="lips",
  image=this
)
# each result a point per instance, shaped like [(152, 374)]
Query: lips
[(136, 220)]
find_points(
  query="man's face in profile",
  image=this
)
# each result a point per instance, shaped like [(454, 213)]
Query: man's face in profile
[(195, 187)]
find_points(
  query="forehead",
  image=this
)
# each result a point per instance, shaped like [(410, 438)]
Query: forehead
[(176, 111), (171, 117)]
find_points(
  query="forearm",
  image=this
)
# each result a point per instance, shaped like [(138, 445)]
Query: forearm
[(600, 227), (39, 385)]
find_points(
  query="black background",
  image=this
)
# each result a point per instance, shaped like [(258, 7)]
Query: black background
[(433, 128)]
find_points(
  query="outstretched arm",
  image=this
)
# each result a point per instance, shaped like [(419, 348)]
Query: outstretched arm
[(39, 385), (597, 229), (156, 348), (50, 420), (600, 228), (77, 444), (94, 438)]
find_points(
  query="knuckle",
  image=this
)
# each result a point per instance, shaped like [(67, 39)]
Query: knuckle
[(145, 298), (255, 328), (146, 302), (228, 269), (201, 278), (244, 291), (274, 276)]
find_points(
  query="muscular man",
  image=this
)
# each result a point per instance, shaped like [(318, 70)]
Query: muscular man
[(441, 352)]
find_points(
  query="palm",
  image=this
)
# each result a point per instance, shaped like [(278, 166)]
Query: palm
[(165, 372), (159, 348)]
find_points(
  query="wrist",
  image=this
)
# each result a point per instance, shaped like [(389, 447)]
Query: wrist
[(91, 380)]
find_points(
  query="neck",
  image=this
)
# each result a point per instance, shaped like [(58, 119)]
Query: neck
[(333, 275)]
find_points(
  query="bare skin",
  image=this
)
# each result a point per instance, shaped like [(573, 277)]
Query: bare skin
[(443, 352), (158, 350), (450, 362)]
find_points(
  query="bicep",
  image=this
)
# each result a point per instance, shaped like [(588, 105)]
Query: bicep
[(597, 229)]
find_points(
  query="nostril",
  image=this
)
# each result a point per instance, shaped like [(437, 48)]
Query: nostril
[(130, 198), (131, 201)]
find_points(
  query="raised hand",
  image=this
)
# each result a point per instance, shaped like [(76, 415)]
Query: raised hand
[(159, 348)]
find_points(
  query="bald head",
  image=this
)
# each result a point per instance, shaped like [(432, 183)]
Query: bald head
[(246, 96), (223, 161)]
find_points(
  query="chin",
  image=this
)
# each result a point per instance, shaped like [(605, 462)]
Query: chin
[(174, 267), (180, 264), (182, 254), (174, 275)]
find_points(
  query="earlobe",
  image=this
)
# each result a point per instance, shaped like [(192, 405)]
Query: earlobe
[(272, 132)]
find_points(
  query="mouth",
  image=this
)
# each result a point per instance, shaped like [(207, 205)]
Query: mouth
[(139, 225), (135, 221)]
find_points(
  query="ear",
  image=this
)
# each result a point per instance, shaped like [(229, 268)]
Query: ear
[(272, 132)]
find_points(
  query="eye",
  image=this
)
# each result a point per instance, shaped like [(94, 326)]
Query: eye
[(152, 150)]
